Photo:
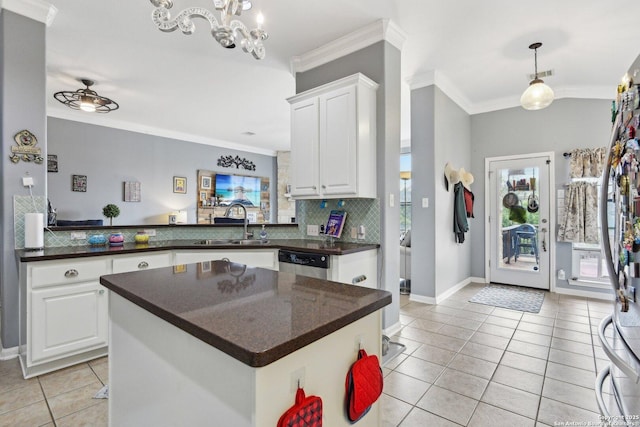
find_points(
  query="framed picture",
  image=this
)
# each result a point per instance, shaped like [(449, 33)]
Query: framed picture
[(203, 195), (131, 191), (79, 183), (180, 184), (52, 163), (206, 266), (205, 182)]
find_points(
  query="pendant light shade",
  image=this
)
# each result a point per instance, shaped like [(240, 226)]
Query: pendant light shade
[(538, 95)]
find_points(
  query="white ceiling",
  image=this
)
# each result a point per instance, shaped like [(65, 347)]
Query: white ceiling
[(190, 88)]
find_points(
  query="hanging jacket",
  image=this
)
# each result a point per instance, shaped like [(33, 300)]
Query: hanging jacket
[(468, 202), (460, 224)]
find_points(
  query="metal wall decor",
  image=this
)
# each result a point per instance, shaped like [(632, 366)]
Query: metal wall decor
[(26, 149), (237, 161)]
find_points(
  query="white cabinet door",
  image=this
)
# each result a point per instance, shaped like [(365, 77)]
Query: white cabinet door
[(304, 166), (68, 319), (338, 144), (146, 261)]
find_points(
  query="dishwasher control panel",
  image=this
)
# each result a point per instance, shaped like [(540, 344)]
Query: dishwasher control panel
[(304, 258)]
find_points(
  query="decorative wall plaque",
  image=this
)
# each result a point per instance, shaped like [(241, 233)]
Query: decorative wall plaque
[(26, 149), (132, 191), (237, 161), (79, 183), (52, 163)]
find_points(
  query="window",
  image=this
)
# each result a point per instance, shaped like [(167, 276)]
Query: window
[(405, 193)]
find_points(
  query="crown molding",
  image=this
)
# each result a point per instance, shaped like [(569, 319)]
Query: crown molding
[(443, 83), (101, 120), (38, 10), (382, 29)]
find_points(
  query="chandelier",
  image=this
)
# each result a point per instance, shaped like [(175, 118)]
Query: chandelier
[(228, 31), (86, 99), (538, 95)]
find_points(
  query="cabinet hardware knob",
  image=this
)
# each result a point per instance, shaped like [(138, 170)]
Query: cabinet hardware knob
[(143, 264), (324, 186), (314, 187), (71, 273), (101, 292)]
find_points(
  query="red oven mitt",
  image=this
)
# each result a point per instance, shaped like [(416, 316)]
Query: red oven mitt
[(363, 385), (307, 412)]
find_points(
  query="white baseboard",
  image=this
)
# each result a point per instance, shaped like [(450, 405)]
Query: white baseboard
[(443, 296), (586, 294), (8, 353), (392, 330), (478, 280)]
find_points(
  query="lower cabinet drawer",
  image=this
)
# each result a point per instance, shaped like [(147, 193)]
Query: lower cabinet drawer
[(123, 264), (68, 319), (55, 273)]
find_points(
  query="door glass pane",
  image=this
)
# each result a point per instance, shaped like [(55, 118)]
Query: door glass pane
[(518, 218)]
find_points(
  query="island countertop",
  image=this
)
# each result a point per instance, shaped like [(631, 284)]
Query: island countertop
[(255, 315)]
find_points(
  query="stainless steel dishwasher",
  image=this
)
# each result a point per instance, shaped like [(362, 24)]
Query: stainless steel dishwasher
[(304, 263)]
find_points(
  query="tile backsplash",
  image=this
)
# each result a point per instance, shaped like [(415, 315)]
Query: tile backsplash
[(364, 212)]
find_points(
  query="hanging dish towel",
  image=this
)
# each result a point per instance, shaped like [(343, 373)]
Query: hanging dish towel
[(363, 385), (307, 412)]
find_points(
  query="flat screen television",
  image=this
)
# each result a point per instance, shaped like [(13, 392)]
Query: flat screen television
[(238, 189)]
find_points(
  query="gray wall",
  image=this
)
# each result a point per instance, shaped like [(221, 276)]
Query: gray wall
[(22, 106), (111, 156), (440, 133), (564, 125), (381, 63)]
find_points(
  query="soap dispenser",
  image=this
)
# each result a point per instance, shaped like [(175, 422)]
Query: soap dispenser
[(263, 234)]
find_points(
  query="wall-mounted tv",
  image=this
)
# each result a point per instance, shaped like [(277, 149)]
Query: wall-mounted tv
[(238, 189)]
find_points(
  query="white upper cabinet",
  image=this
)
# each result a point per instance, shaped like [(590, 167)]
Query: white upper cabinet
[(333, 140)]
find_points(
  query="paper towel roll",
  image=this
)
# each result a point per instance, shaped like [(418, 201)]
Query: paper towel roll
[(33, 231)]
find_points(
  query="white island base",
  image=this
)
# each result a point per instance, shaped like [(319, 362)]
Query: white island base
[(163, 376)]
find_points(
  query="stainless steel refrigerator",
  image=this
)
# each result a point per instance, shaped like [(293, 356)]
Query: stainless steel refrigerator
[(618, 384)]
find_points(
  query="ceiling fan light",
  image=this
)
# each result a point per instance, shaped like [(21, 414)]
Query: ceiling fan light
[(86, 104), (537, 96)]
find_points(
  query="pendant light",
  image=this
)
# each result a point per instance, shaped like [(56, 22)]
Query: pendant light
[(538, 95)]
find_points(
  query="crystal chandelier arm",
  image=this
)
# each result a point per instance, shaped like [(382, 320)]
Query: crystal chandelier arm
[(162, 18), (250, 41)]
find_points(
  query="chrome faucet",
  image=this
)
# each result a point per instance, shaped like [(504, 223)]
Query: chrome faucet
[(246, 234)]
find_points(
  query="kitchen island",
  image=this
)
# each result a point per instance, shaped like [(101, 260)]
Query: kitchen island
[(220, 343)]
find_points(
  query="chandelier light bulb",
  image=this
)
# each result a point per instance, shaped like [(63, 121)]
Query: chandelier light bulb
[(260, 20)]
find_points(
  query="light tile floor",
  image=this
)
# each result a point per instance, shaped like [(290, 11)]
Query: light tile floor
[(464, 364), (63, 398), (477, 365)]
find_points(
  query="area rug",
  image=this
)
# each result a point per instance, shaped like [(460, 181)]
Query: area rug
[(511, 297)]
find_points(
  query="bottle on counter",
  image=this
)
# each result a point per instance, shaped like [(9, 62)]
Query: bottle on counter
[(263, 234)]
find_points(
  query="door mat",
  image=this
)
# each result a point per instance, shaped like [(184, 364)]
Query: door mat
[(511, 297)]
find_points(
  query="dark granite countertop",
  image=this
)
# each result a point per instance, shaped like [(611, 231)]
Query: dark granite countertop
[(303, 245), (255, 315)]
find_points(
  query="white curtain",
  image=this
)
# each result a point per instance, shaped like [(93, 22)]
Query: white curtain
[(579, 223), (587, 162)]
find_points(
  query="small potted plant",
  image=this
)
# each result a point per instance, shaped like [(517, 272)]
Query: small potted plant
[(111, 211)]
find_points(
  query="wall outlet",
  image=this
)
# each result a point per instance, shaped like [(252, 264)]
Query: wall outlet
[(425, 202), (361, 232), (150, 232), (561, 275), (312, 230), (354, 232), (78, 235), (27, 181)]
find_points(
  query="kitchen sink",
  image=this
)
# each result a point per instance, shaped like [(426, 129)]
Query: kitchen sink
[(213, 242)]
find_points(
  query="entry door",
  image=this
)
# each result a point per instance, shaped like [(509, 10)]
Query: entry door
[(518, 227)]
